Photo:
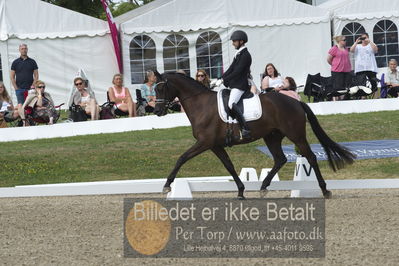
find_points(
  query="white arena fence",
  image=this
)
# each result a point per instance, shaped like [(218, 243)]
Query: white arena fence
[(173, 120)]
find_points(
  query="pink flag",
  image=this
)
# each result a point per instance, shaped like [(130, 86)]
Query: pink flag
[(114, 34)]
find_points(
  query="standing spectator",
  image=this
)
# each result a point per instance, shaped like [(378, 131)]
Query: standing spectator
[(271, 78), (392, 78), (24, 74), (365, 63), (338, 58), (121, 96), (203, 78)]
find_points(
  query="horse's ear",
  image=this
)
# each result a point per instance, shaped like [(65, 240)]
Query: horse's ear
[(158, 75)]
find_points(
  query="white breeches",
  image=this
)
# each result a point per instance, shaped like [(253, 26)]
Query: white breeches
[(235, 96)]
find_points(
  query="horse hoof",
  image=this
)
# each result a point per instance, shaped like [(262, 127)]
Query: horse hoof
[(263, 193), (241, 197), (327, 194), (166, 189)]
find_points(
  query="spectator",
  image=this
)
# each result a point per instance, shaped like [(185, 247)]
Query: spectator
[(365, 63), (7, 111), (148, 90), (41, 103), (338, 58), (392, 78), (271, 78), (24, 74), (289, 88), (203, 78), (121, 96), (85, 97)]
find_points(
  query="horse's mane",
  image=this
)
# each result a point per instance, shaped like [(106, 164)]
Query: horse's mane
[(192, 81)]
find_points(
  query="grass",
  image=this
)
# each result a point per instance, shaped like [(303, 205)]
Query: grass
[(153, 153)]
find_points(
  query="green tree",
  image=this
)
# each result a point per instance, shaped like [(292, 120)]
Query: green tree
[(89, 7), (94, 8)]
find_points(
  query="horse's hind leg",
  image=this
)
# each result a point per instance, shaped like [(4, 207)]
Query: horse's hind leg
[(193, 151), (221, 153), (311, 157), (273, 142)]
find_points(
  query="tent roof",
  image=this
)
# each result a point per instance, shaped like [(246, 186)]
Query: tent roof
[(332, 5), (35, 19), (186, 15), (367, 9)]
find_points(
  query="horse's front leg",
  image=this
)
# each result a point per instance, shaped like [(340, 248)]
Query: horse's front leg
[(196, 149), (221, 153)]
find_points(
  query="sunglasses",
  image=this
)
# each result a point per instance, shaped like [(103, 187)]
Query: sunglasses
[(77, 84), (201, 76), (41, 87)]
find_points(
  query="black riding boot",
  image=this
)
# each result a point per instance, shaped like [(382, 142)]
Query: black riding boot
[(246, 133)]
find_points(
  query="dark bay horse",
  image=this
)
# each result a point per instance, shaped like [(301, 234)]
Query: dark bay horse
[(282, 117)]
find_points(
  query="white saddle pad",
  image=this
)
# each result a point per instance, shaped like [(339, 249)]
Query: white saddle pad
[(252, 109)]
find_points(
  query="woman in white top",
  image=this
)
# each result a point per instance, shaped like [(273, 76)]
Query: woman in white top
[(272, 78), (85, 97), (7, 110), (365, 63)]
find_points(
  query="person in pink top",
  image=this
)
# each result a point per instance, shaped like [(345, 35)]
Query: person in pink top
[(338, 58), (289, 88), (121, 96)]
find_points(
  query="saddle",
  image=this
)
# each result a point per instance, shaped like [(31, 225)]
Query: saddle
[(249, 105)]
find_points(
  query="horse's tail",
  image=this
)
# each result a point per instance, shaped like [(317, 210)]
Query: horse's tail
[(337, 155)]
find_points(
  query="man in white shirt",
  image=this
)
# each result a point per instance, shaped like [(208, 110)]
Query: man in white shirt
[(392, 78)]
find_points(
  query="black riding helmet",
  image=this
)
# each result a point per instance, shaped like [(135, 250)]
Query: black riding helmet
[(239, 35)]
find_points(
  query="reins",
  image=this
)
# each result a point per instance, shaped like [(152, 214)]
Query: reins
[(168, 102)]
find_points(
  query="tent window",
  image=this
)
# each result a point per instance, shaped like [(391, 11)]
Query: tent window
[(175, 53), (385, 35), (209, 53), (142, 57), (352, 31)]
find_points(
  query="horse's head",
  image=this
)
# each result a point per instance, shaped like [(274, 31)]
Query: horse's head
[(164, 95)]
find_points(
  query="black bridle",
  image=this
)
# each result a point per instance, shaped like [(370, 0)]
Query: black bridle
[(169, 103)]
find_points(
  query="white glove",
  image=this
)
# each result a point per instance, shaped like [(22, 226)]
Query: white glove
[(218, 82)]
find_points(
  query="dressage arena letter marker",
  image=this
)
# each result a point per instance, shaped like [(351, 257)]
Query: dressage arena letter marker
[(265, 172), (248, 174), (304, 172)]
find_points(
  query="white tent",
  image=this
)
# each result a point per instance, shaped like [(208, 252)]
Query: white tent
[(368, 13), (292, 35), (61, 41)]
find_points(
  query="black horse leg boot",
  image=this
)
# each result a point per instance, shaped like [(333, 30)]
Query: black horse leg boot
[(246, 133)]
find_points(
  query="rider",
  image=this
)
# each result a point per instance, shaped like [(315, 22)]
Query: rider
[(236, 78)]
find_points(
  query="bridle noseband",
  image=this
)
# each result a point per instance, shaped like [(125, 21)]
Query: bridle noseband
[(161, 101)]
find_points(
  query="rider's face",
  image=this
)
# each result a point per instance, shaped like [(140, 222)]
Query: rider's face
[(236, 44)]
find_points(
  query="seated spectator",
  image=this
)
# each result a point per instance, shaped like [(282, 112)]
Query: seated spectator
[(121, 96), (148, 93), (84, 96), (392, 78), (7, 111), (203, 78), (148, 90), (289, 88), (41, 103), (271, 78)]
